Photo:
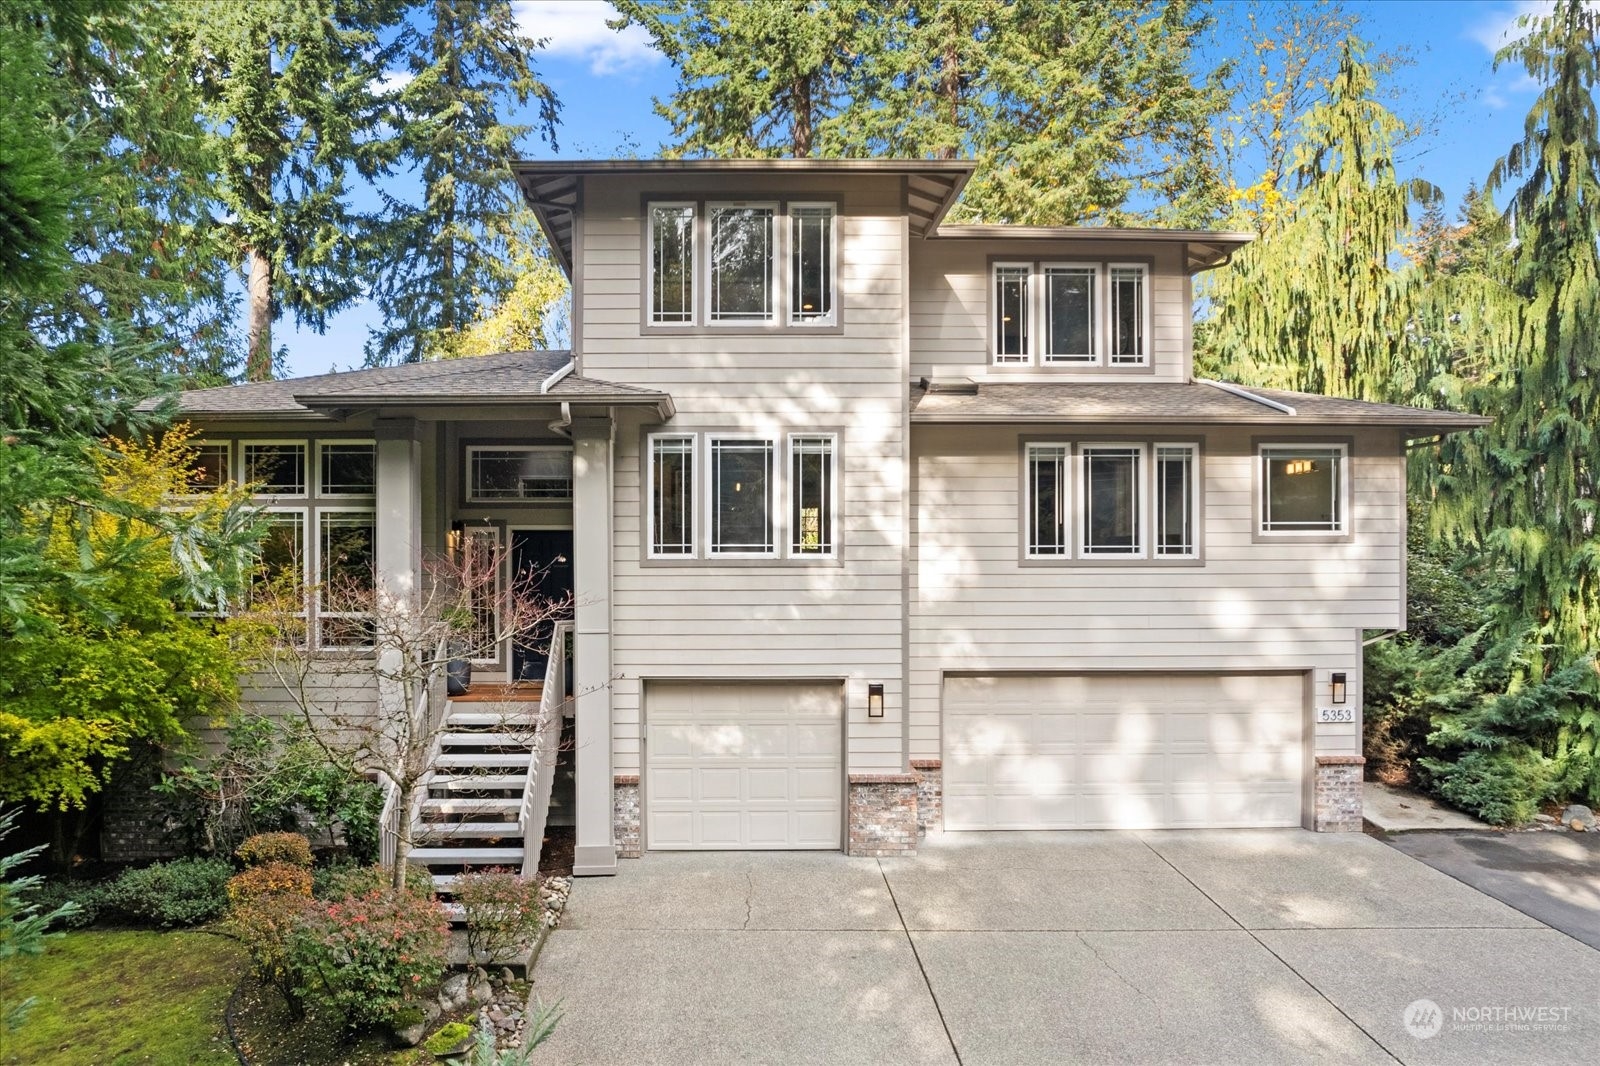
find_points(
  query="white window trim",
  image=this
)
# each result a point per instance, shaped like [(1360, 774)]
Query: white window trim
[(694, 262), (1141, 495), (1097, 322), (777, 246), (650, 496), (775, 497), (1264, 488), (791, 487), (227, 475), (306, 550), (527, 449), (1195, 517), (1028, 357), (322, 491), (791, 312), (315, 535), (1064, 500), (1146, 317), (307, 474), (492, 532)]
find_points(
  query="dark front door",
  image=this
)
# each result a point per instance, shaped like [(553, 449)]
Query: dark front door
[(541, 565)]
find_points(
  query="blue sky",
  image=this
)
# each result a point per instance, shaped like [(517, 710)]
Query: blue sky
[(606, 82)]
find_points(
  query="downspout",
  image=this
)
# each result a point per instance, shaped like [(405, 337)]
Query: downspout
[(559, 426)]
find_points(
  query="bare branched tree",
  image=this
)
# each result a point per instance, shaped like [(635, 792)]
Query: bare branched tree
[(339, 640)]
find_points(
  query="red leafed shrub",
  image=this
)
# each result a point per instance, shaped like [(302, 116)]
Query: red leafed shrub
[(264, 848), (502, 910), (365, 956), (264, 923), (271, 879)]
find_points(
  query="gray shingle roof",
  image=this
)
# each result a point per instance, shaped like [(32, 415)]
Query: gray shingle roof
[(507, 377), (1150, 402)]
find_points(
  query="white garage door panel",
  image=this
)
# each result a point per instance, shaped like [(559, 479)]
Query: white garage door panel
[(1122, 752), (745, 766)]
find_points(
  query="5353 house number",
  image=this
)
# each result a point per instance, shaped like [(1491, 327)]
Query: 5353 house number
[(1336, 714)]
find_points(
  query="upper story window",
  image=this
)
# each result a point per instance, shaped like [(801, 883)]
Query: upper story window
[(1305, 489), (753, 507), (276, 468), (347, 468), (213, 466), (522, 472), (723, 265), (1118, 500), (1070, 314)]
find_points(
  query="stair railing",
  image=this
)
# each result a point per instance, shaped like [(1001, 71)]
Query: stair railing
[(546, 743)]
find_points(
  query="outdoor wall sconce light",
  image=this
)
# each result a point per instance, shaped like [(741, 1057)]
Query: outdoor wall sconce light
[(874, 701), (1338, 688)]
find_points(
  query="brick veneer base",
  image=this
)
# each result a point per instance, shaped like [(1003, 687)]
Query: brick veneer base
[(625, 815), (1337, 793), (930, 794), (883, 815)]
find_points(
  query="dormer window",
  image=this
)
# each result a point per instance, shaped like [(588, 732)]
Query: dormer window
[(716, 266), (1070, 314)]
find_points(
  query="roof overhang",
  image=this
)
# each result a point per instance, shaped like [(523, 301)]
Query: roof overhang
[(551, 187), (659, 402), (1202, 249)]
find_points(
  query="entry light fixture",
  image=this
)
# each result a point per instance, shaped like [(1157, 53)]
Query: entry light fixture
[(1338, 688), (1299, 466), (874, 701)]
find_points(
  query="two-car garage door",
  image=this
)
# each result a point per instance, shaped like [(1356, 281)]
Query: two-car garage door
[(1120, 751), (743, 766)]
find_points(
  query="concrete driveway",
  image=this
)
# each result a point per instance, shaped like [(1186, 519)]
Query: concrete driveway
[(1017, 948)]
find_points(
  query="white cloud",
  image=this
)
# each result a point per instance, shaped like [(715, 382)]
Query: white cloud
[(577, 29), (392, 81), (1498, 27)]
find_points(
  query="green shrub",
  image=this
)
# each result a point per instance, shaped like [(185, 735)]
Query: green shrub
[(343, 880), (365, 958), (1504, 787), (292, 849), (167, 894), (87, 898), (358, 812), (263, 924), (502, 910), (447, 1039)]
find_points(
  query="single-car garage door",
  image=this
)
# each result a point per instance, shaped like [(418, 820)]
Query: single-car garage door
[(743, 766), (1118, 751)]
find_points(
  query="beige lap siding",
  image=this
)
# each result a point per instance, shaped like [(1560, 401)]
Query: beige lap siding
[(1252, 606), (765, 619)]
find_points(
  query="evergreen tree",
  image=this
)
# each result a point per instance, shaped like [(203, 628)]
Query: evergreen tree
[(1526, 486), (448, 259), (1316, 304), (292, 97)]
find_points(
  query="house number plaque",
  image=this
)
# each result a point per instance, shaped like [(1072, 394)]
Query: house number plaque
[(1336, 714)]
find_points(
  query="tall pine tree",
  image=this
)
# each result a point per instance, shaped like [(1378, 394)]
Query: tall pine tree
[(447, 258), (1316, 304)]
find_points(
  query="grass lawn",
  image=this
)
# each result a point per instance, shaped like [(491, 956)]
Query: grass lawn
[(121, 997)]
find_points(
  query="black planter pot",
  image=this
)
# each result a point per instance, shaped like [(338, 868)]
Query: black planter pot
[(458, 677)]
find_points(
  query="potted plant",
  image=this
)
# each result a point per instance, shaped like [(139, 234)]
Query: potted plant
[(458, 669)]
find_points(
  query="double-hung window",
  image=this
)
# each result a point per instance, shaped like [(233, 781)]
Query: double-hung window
[(1305, 489), (737, 264), (1070, 314), (1110, 500), (726, 495)]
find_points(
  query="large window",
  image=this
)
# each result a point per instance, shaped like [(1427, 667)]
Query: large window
[(762, 497), (347, 468), (529, 473), (1070, 314), (1304, 489), (346, 578), (213, 466), (741, 496), (730, 265), (672, 264), (1110, 501), (276, 468), (812, 262), (671, 496), (279, 580)]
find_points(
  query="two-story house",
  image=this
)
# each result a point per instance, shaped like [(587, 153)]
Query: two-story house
[(877, 523)]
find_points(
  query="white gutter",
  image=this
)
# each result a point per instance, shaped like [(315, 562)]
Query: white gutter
[(1387, 634), (1246, 394), (559, 426), (554, 379)]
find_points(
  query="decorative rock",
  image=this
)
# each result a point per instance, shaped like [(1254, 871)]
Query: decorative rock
[(1544, 819), (412, 1035), (482, 991), (1578, 817), (506, 976), (453, 994)]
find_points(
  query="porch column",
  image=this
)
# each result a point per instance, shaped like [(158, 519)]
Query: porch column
[(595, 853), (398, 551)]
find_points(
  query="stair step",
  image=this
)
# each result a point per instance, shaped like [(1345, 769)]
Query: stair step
[(462, 829), (471, 806), (465, 856), (483, 740), (515, 758), (468, 719), (476, 782)]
